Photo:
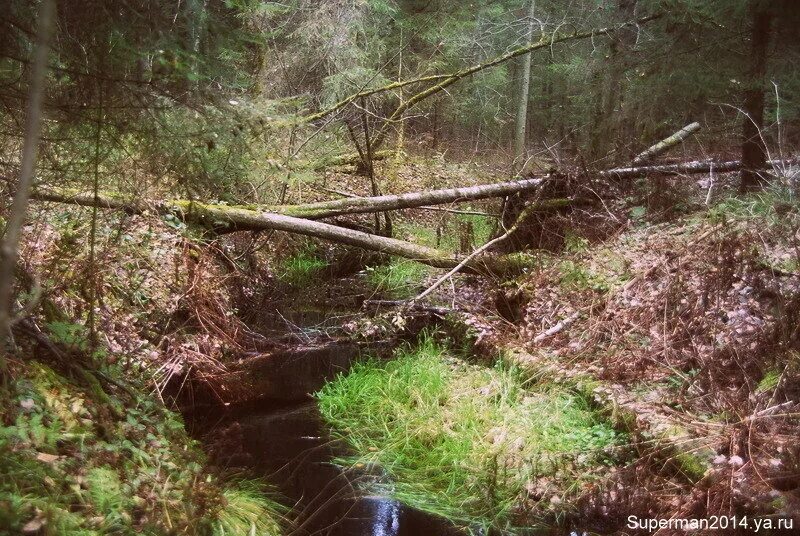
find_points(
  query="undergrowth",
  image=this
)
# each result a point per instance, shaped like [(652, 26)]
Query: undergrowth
[(470, 443), (247, 510), (301, 268), (451, 231), (70, 467), (768, 207), (399, 279)]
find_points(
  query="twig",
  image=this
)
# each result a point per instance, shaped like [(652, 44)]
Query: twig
[(557, 328), (474, 254)]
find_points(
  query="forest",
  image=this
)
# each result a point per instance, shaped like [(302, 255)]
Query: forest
[(399, 267)]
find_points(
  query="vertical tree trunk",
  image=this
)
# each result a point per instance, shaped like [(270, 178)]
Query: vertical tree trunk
[(524, 90), (611, 90), (401, 127), (19, 206), (753, 151), (196, 18)]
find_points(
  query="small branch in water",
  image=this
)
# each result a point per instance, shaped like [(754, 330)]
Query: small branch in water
[(441, 311)]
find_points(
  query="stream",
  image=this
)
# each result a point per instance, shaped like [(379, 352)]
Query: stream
[(289, 445), (280, 436)]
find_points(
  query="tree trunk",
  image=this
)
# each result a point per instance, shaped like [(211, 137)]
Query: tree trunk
[(611, 89), (687, 168), (225, 219), (524, 90), (753, 150), (19, 207), (382, 203)]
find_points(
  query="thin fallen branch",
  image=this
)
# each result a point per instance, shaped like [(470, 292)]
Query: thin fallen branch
[(366, 93), (697, 166), (567, 322), (666, 144), (469, 258)]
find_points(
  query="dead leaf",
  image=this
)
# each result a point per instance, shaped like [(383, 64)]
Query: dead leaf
[(34, 526), (47, 458)]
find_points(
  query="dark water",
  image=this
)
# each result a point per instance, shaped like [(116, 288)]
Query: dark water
[(290, 447)]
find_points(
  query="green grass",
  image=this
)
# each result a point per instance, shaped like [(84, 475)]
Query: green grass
[(399, 279), (449, 240), (461, 440), (771, 205), (301, 268), (247, 509), (770, 381)]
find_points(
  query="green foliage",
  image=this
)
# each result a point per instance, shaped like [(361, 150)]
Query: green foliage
[(69, 334), (575, 244), (449, 238), (770, 381), (576, 276), (247, 509), (109, 497), (691, 465), (771, 206), (399, 279), (462, 440), (302, 267), (69, 467)]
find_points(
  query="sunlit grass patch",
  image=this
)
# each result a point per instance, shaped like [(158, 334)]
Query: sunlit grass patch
[(302, 267), (771, 205), (464, 441), (400, 278), (450, 233)]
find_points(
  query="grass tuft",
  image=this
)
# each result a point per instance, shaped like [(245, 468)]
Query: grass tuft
[(247, 510), (464, 441), (301, 268), (770, 206), (399, 279)]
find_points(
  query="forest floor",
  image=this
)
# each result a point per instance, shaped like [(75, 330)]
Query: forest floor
[(678, 329)]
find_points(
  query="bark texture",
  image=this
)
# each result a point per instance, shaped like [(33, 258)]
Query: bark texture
[(225, 219), (753, 151), (666, 144), (524, 90), (698, 166), (382, 203)]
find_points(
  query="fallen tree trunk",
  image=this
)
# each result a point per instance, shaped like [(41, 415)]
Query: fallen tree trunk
[(225, 219), (382, 203), (298, 219), (665, 144), (686, 168)]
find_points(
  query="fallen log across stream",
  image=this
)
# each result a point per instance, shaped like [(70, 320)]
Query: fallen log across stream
[(382, 203), (225, 219), (298, 219)]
